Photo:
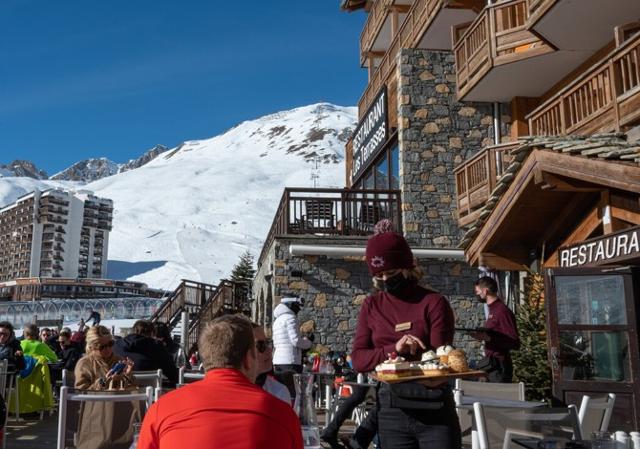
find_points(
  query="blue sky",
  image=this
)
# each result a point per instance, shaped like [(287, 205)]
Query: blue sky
[(90, 78)]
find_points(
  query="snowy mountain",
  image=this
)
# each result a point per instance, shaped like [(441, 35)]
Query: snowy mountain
[(90, 170), (192, 211), (22, 168)]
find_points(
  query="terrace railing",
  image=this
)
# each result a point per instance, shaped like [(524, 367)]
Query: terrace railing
[(477, 177), (605, 98), (497, 36), (375, 20), (189, 296), (332, 212)]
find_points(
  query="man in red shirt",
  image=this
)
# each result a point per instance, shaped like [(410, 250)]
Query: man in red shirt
[(501, 335), (225, 409)]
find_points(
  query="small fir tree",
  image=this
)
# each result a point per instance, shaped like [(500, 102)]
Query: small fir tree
[(530, 363), (243, 271)]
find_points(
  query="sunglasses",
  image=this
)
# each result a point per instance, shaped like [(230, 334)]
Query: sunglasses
[(105, 346), (263, 345)]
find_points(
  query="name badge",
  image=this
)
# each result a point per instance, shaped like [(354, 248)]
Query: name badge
[(403, 326)]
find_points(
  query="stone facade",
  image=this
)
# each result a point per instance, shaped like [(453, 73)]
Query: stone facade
[(335, 287), (436, 133)]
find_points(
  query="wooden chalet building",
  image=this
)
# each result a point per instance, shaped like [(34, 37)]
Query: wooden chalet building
[(508, 130), (562, 193)]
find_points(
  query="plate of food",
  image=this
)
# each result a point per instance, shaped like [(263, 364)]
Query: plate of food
[(442, 364)]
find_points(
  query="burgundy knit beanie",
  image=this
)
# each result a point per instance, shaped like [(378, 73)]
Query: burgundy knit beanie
[(387, 250)]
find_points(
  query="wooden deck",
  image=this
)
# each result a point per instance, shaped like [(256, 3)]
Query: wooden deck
[(606, 98), (477, 177)]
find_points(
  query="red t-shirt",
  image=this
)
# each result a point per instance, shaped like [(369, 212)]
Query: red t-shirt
[(502, 330), (224, 410), (385, 318)]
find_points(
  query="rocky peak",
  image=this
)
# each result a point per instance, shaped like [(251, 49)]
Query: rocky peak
[(23, 168)]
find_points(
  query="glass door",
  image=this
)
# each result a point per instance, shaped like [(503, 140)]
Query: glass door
[(593, 334)]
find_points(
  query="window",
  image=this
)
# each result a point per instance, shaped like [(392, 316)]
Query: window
[(395, 167), (382, 173)]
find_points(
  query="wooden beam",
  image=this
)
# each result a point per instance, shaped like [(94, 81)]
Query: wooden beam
[(402, 9), (560, 222), (559, 184), (625, 215), (497, 262), (589, 224)]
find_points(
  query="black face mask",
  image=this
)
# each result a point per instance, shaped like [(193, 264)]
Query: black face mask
[(394, 284), (481, 299)]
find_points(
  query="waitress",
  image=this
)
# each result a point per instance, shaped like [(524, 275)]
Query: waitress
[(407, 319)]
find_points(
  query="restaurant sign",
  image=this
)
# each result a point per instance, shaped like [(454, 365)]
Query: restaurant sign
[(370, 135), (611, 248)]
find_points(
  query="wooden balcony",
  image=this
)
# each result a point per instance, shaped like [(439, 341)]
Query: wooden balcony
[(477, 177), (327, 212), (488, 52), (411, 32), (590, 21), (375, 21), (605, 98)]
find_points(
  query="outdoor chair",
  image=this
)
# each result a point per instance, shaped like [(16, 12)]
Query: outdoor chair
[(595, 413), (497, 427), (185, 377), (513, 391), (116, 411), (318, 215), (68, 378), (152, 378)]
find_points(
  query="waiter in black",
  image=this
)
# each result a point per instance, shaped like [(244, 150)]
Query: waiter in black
[(501, 334)]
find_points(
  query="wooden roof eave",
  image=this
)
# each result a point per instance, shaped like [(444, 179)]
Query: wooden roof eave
[(616, 175)]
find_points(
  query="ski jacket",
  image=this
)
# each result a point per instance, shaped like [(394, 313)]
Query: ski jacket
[(288, 343)]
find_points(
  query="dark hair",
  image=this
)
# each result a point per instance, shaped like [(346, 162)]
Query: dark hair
[(7, 325), (489, 283), (162, 331), (225, 341), (31, 330), (143, 327), (66, 334)]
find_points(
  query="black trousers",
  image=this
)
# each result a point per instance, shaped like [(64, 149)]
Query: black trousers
[(367, 430), (400, 428), (284, 374), (499, 370)]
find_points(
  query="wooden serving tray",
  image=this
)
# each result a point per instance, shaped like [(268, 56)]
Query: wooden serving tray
[(476, 373)]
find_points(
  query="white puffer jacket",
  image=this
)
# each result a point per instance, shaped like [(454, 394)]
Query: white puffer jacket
[(287, 341)]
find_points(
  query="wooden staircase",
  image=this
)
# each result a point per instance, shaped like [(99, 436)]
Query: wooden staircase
[(203, 302)]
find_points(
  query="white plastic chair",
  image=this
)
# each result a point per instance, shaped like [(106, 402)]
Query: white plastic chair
[(508, 423), (595, 413), (184, 376), (148, 378), (66, 396), (512, 391), (68, 378)]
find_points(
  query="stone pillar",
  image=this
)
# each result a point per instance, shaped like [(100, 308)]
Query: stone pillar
[(436, 133)]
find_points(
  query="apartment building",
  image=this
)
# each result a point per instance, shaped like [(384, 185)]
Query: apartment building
[(55, 234)]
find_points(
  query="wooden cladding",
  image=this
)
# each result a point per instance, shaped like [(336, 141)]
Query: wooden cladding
[(498, 36), (375, 20), (605, 99), (332, 212), (417, 21), (477, 177)]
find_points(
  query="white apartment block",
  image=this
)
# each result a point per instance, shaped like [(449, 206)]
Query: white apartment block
[(55, 233)]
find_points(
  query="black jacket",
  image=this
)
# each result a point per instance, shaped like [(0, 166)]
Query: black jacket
[(147, 354), (8, 352), (69, 356)]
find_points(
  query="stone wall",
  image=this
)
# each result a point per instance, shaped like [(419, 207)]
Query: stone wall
[(334, 288), (436, 133)]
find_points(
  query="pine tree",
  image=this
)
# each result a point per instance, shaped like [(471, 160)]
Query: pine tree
[(530, 363), (243, 271)]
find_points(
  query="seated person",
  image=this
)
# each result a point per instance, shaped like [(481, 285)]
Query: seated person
[(67, 352), (146, 353), (10, 348), (97, 370), (49, 337), (265, 378), (34, 347)]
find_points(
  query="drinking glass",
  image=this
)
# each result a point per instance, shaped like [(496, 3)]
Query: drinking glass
[(602, 440)]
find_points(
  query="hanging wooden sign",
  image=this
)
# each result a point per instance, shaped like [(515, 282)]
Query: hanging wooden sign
[(616, 247)]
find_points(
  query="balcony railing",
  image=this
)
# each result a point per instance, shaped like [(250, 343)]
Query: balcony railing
[(477, 177), (375, 20), (605, 99), (408, 35), (498, 36), (332, 212)]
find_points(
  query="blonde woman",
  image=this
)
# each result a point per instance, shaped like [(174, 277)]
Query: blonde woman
[(95, 371), (105, 425)]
